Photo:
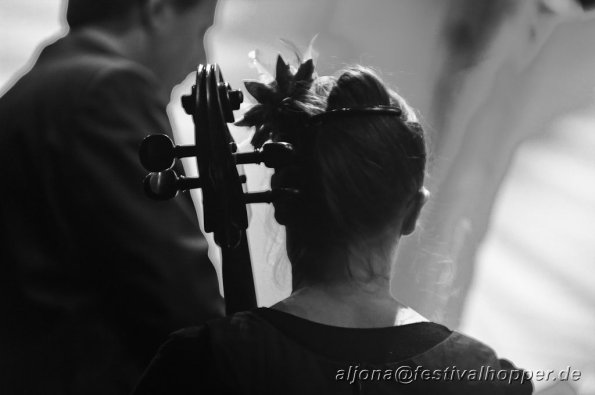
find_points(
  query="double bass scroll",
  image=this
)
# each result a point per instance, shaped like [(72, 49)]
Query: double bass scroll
[(211, 104)]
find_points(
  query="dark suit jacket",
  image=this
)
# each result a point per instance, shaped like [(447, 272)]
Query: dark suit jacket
[(93, 275)]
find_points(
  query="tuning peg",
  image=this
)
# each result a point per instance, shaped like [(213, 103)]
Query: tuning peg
[(166, 184), (270, 196), (158, 152), (189, 101), (236, 98), (231, 100), (273, 155)]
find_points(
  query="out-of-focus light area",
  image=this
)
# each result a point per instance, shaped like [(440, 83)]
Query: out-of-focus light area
[(24, 24), (506, 91)]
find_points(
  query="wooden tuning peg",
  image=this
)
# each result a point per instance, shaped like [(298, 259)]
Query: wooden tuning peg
[(166, 184)]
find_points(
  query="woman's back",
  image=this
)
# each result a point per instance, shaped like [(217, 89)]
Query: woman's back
[(265, 351)]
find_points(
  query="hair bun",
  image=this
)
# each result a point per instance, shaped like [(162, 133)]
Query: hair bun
[(358, 87)]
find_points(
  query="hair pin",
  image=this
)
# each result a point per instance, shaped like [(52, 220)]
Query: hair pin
[(347, 111)]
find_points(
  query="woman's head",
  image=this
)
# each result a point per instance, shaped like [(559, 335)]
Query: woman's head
[(360, 175)]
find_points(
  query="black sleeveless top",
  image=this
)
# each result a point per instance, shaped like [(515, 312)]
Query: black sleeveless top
[(266, 351)]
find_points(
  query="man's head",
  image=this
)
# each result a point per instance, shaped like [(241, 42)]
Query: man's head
[(80, 13), (165, 35)]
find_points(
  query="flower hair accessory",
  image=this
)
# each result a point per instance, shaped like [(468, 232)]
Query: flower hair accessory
[(282, 103)]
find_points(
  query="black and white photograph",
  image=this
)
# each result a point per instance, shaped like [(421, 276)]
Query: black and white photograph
[(337, 197)]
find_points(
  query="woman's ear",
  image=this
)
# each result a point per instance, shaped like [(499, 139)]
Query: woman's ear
[(413, 210)]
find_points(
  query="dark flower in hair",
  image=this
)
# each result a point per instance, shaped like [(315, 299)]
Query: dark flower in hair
[(281, 102)]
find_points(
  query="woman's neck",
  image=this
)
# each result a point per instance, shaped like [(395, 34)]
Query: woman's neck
[(348, 304)]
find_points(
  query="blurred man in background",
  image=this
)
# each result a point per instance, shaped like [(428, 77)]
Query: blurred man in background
[(93, 275)]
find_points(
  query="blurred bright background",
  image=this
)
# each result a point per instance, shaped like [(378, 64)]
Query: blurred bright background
[(506, 91)]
